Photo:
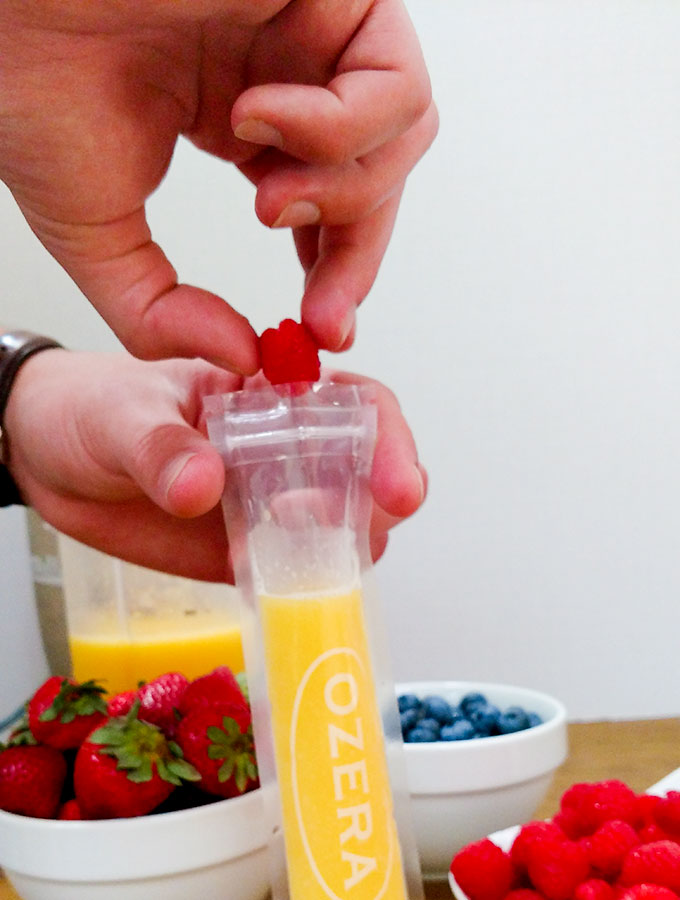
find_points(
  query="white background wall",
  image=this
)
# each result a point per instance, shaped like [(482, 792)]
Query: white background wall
[(528, 317)]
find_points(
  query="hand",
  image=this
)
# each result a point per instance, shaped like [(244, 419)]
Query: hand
[(326, 107), (111, 451)]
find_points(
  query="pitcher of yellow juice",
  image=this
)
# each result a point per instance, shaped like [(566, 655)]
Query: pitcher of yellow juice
[(128, 624), (297, 506)]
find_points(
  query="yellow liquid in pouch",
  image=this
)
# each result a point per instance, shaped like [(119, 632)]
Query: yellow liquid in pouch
[(339, 828), (121, 662)]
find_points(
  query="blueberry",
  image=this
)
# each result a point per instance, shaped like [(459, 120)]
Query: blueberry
[(438, 708), (472, 700), (462, 730), (534, 719), (420, 735), (513, 719), (456, 715), (430, 724), (408, 701), (485, 719), (408, 719)]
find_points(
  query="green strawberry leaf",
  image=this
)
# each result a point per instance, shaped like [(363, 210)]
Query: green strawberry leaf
[(142, 774), (75, 700), (184, 770), (242, 680), (167, 774)]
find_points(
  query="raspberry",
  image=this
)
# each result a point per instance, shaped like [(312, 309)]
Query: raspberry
[(289, 353), (656, 863), (526, 894), (647, 804), (483, 871), (594, 889), (647, 892), (568, 821), (666, 813), (652, 832), (591, 805), (557, 867), (609, 846), (528, 835)]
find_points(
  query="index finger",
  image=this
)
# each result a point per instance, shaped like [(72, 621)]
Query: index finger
[(380, 87)]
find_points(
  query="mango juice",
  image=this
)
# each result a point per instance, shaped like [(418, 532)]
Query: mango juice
[(339, 829), (122, 661)]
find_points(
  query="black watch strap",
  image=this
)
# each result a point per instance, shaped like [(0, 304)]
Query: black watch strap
[(15, 348)]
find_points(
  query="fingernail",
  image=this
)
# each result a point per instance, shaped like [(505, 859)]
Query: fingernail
[(258, 132), (347, 327), (420, 472), (297, 214), (175, 470)]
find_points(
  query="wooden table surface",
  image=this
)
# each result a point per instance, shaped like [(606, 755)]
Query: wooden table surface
[(639, 753)]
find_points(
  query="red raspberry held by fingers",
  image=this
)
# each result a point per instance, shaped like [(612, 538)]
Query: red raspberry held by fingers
[(289, 354)]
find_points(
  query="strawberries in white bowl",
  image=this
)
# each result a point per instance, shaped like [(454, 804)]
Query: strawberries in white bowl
[(126, 757), (116, 807)]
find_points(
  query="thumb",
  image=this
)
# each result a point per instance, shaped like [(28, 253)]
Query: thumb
[(178, 469)]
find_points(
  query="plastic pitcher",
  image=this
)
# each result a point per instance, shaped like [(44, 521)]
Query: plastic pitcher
[(128, 624)]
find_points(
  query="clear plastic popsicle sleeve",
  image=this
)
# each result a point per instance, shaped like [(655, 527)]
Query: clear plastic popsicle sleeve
[(296, 506)]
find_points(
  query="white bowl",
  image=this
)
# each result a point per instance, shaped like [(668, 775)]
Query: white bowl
[(209, 852), (462, 790)]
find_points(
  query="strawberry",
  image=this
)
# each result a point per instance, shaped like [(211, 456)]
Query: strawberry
[(120, 704), (556, 867), (654, 863), (609, 846), (159, 700), (483, 871), (289, 353), (70, 811), (219, 687), (21, 732), (62, 712), (31, 780), (127, 768), (218, 742)]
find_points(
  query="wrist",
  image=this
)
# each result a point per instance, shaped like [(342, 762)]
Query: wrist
[(16, 348)]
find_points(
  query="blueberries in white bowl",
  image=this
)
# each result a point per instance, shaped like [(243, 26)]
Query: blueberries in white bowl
[(433, 718)]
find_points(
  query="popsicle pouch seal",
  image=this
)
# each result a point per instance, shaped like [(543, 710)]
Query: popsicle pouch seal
[(296, 506)]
